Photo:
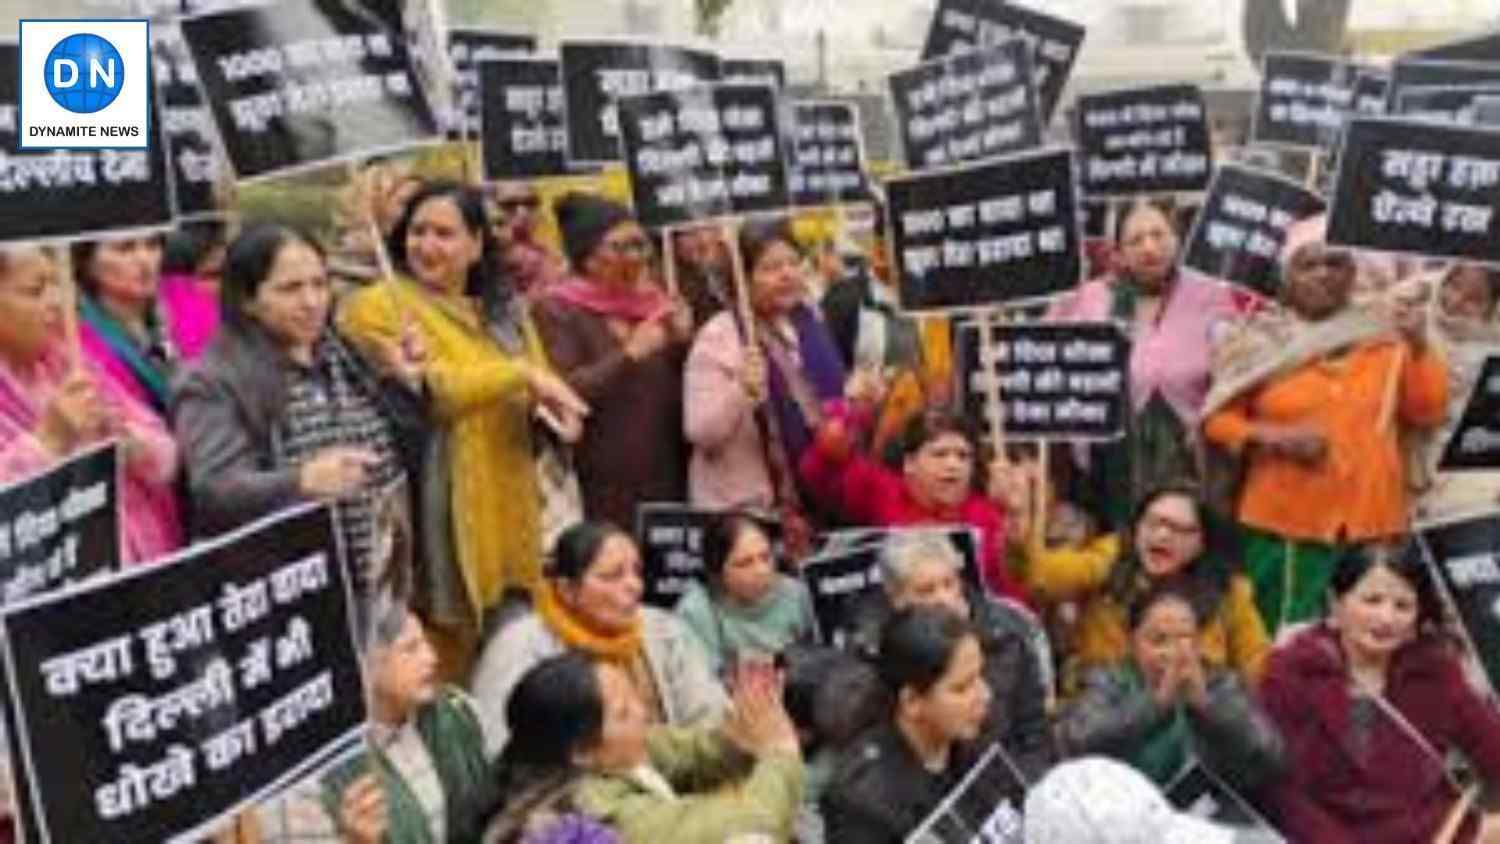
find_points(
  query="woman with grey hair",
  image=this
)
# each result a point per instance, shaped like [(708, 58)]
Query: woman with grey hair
[(424, 776), (922, 568)]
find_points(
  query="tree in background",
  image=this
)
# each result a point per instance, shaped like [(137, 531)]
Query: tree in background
[(1320, 26), (710, 14)]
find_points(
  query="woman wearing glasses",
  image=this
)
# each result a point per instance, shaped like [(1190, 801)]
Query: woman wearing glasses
[(1314, 403), (619, 340), (1174, 536)]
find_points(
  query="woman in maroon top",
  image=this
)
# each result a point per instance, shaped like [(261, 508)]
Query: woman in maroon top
[(1371, 702)]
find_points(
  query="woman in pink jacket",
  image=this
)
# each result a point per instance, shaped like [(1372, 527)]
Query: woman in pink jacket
[(134, 325), (751, 409), (50, 409)]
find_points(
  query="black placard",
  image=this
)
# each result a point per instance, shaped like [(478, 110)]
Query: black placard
[(712, 151), (967, 106), (1465, 556), (839, 581), (73, 194), (597, 73), (1304, 99), (198, 165), (1057, 380), (1459, 105), (1428, 73), (197, 687), (984, 808), (1371, 90), (521, 110), (296, 84), (1199, 792), (1144, 140), (770, 72), (1479, 48), (988, 233), (1475, 444), (1238, 234), (60, 526), (467, 47), (825, 154), (671, 542), (961, 25), (1418, 187)]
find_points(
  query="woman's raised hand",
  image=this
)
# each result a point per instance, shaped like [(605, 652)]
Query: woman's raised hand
[(336, 472), (757, 721), (73, 416), (362, 811)]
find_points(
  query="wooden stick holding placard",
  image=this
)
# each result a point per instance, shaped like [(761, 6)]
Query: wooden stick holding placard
[(1392, 388), (1457, 816), (741, 283), (669, 263), (69, 287), (1314, 169), (993, 408)]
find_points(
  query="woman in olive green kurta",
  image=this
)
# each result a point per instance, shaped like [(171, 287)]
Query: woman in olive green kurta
[(484, 372)]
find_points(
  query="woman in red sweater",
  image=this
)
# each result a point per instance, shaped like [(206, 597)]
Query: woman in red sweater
[(1371, 702), (936, 484)]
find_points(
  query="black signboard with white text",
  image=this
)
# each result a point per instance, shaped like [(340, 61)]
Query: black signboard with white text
[(984, 808), (1464, 553), (298, 84), (1304, 99), (961, 25), (1199, 792), (597, 73), (825, 154), (60, 526), (197, 687), (1475, 443), (711, 151), (987, 233), (467, 47), (521, 115), (1056, 380), (671, 542), (1144, 140), (1479, 48), (1238, 234), (770, 72), (71, 194), (967, 106), (1457, 105), (839, 581), (1428, 73), (198, 165), (1418, 187)]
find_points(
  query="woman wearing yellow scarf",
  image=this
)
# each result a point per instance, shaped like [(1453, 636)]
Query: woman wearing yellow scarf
[(590, 601)]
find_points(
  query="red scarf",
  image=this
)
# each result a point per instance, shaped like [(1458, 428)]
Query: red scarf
[(638, 305)]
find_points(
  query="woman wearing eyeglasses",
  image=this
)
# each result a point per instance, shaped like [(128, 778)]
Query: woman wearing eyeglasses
[(1313, 403), (1173, 536), (619, 340)]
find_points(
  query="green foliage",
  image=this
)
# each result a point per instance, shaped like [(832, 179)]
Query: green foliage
[(710, 15)]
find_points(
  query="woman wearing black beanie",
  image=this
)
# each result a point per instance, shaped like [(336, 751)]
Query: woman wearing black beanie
[(616, 336)]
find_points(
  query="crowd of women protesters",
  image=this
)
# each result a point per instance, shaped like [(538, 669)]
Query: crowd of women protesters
[(1231, 584)]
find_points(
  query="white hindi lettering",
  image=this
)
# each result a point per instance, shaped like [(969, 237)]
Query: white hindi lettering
[(104, 662), (136, 788), (138, 718), (185, 631), (296, 707)]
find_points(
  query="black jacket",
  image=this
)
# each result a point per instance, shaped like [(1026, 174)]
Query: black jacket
[(880, 791), (1012, 669)]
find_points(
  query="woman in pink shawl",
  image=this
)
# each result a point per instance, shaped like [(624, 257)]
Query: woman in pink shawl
[(134, 325), (49, 409)]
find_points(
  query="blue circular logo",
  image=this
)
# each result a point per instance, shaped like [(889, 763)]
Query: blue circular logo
[(84, 73)]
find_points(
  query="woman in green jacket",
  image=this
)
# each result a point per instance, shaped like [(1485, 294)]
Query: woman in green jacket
[(580, 742)]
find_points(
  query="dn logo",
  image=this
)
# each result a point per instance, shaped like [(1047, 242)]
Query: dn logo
[(84, 73)]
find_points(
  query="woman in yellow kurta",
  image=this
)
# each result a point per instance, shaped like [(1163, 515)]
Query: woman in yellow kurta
[(485, 374), (1173, 536)]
